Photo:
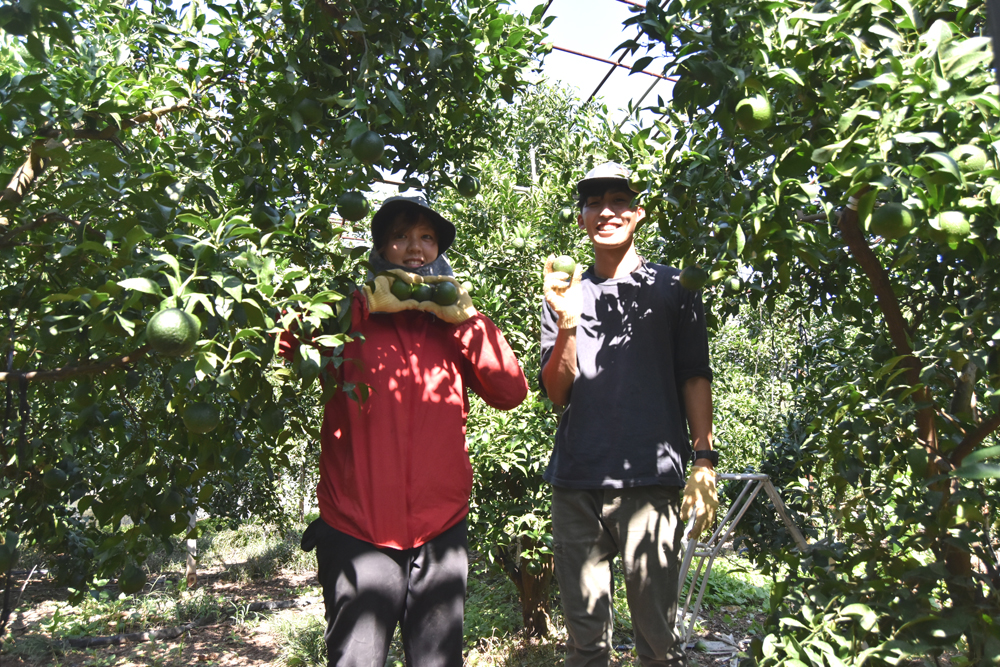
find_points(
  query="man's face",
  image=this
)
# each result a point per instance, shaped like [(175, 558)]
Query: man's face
[(610, 219), (412, 247)]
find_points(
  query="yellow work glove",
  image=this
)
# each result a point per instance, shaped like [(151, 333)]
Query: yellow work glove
[(380, 297), (564, 294), (701, 498), (456, 313)]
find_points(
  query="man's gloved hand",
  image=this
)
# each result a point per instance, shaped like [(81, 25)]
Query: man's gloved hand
[(456, 313), (564, 294), (700, 497), (380, 297)]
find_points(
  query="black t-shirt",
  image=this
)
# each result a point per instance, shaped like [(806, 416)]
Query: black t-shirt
[(639, 339)]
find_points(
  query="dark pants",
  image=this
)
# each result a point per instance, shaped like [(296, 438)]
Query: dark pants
[(368, 590)]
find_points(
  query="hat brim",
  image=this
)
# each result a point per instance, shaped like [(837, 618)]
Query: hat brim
[(384, 217), (589, 184)]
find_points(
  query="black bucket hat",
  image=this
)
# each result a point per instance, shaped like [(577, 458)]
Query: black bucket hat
[(386, 214)]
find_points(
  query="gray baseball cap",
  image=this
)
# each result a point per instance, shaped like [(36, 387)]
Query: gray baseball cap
[(386, 214), (609, 171)]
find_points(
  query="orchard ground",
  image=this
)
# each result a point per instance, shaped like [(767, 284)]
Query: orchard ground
[(261, 563)]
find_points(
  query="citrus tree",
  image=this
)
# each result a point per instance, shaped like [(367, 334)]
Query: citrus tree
[(839, 157), (171, 179)]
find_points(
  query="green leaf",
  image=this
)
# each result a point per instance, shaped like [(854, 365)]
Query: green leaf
[(977, 471), (144, 285), (982, 455)]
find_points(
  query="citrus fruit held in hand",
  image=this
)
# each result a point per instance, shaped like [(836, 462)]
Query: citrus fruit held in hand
[(368, 147), (132, 579), (468, 185), (173, 332), (201, 417), (567, 215), (954, 224), (564, 264), (518, 242), (422, 292), (969, 158), (693, 277), (401, 289), (891, 221), (445, 293), (352, 205), (310, 111), (754, 113)]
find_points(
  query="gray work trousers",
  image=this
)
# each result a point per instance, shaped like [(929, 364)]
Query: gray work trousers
[(643, 526)]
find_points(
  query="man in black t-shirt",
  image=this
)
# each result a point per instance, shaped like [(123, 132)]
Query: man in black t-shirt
[(625, 349)]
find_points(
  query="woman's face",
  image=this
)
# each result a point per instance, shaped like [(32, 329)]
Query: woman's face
[(412, 247)]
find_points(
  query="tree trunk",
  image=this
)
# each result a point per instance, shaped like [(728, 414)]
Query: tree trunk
[(532, 579)]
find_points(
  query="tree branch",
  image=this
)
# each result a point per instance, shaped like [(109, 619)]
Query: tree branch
[(7, 239), (973, 439), (34, 165), (73, 371), (894, 320)]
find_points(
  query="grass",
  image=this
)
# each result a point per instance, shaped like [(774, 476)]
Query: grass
[(259, 553)]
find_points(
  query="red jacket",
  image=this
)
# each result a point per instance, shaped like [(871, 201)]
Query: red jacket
[(394, 470)]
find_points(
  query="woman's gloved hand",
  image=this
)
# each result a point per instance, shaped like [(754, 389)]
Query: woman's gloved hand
[(456, 313), (381, 299)]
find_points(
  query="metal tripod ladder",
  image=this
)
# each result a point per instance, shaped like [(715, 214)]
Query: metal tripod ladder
[(707, 551)]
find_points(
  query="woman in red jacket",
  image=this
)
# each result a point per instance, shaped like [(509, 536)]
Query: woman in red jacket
[(395, 476)]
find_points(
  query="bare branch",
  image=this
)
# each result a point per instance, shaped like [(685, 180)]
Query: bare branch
[(74, 371), (974, 439)]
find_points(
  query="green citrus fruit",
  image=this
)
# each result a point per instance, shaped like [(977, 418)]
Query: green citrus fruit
[(352, 205), (368, 147), (445, 293), (201, 417), (518, 242), (401, 289), (891, 221), (310, 111), (468, 186), (264, 216), (173, 332), (754, 113), (693, 277), (132, 579), (954, 224), (55, 478), (172, 502), (733, 284), (969, 158), (540, 122), (458, 208), (422, 292), (567, 215), (467, 286), (272, 420), (564, 264)]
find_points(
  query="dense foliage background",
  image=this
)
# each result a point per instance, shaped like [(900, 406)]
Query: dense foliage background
[(194, 156)]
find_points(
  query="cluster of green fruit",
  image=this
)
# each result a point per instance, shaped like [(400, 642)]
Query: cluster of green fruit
[(444, 293), (894, 220), (693, 278)]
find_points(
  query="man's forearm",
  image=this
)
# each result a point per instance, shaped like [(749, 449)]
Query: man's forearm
[(560, 370), (698, 405)]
